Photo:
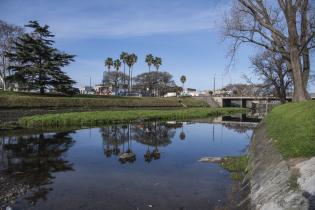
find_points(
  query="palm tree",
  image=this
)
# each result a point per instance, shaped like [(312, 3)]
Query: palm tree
[(149, 60), (123, 58), (131, 60), (183, 80), (117, 65), (157, 62), (108, 64)]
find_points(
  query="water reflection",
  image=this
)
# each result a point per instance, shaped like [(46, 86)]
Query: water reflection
[(32, 160), (117, 139), (97, 178)]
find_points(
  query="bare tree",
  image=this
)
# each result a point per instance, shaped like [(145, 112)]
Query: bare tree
[(272, 70), (286, 27), (8, 35)]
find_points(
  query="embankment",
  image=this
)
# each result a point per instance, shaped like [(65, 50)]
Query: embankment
[(22, 100), (98, 118), (14, 105), (281, 165)]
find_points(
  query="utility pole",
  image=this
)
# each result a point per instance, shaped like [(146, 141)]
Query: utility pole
[(222, 81), (214, 83)]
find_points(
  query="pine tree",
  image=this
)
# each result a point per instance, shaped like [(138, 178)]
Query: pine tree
[(38, 62)]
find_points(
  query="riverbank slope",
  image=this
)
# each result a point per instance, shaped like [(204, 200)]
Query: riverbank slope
[(282, 167), (14, 105), (97, 118), (20, 100)]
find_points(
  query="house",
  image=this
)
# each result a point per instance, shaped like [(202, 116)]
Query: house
[(89, 90), (193, 92), (189, 92), (170, 94), (103, 89)]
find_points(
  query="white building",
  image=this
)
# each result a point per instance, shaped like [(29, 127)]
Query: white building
[(170, 94), (193, 92), (88, 90)]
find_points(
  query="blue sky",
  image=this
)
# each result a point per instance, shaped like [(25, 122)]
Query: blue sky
[(184, 33)]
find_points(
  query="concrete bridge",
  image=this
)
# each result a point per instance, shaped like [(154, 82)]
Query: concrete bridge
[(248, 101), (244, 101)]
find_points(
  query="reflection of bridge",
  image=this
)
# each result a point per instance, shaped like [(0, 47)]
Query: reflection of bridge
[(237, 119)]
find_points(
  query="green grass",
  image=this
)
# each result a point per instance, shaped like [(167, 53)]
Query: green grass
[(292, 128), (106, 117), (14, 100), (236, 166)]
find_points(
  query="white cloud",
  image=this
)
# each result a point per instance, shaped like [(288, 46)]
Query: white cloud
[(103, 19)]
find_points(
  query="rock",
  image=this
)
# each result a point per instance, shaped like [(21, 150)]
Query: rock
[(211, 159), (127, 156), (271, 205), (307, 175)]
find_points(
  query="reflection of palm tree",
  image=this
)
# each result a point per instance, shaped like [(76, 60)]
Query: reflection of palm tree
[(124, 137), (147, 155), (113, 137), (129, 143), (148, 133), (155, 153), (107, 149), (115, 140), (182, 134), (153, 134), (128, 156)]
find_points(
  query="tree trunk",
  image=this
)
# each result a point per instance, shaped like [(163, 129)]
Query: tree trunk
[(2, 80), (42, 90), (129, 87), (131, 79), (150, 91), (300, 93), (281, 94), (282, 86), (303, 40)]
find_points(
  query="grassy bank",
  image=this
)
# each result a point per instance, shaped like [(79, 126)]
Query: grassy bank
[(236, 166), (106, 117), (14, 100), (292, 128)]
